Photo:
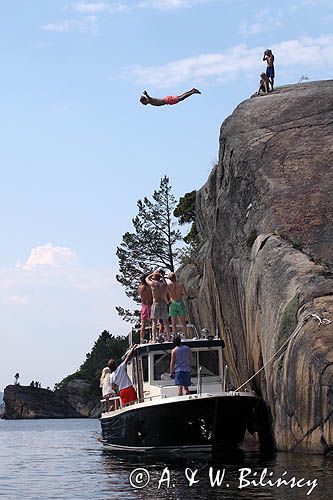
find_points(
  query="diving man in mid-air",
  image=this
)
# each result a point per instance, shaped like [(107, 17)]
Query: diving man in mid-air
[(170, 99)]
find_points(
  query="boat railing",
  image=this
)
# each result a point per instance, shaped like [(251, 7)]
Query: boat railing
[(199, 381), (110, 404), (224, 385), (114, 403)]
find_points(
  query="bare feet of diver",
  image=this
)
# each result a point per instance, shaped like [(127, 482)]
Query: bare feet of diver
[(196, 91)]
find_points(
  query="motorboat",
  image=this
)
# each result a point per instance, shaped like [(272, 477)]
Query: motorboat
[(209, 419)]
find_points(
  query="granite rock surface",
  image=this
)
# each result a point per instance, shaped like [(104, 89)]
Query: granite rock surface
[(264, 266)]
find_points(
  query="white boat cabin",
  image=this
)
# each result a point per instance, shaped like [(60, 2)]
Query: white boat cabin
[(150, 369)]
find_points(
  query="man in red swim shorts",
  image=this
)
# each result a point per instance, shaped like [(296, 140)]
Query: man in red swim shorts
[(170, 99), (119, 379)]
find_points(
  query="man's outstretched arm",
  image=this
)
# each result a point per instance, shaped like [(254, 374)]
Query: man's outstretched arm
[(130, 353)]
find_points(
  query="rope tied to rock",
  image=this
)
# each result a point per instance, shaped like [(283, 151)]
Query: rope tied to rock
[(322, 321)]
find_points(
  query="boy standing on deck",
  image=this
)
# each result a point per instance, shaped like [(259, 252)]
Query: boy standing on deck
[(180, 366)]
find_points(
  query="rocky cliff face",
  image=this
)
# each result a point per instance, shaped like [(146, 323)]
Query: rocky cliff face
[(265, 222), (78, 393), (30, 402)]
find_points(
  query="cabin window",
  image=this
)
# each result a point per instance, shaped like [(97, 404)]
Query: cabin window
[(194, 366), (145, 368), (161, 365), (209, 362)]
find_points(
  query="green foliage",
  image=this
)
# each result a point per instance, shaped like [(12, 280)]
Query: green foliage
[(151, 245), (106, 346), (185, 212), (288, 320), (252, 237), (128, 315), (189, 255), (192, 237)]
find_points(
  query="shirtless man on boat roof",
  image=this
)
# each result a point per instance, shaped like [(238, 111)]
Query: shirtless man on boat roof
[(177, 307), (146, 296), (159, 309)]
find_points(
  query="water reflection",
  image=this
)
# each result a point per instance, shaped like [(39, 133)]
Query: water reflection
[(170, 477), (65, 460)]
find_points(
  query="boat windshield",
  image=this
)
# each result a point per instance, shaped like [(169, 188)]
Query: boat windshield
[(208, 361)]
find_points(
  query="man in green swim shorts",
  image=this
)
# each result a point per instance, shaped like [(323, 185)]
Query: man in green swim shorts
[(177, 307)]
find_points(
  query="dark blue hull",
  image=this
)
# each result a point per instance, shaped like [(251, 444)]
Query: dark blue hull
[(216, 423)]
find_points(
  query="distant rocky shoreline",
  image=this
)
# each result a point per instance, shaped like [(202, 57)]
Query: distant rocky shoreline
[(25, 402)]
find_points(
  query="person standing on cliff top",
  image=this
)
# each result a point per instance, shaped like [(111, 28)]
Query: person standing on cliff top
[(159, 309), (177, 307), (146, 296), (170, 99), (270, 72)]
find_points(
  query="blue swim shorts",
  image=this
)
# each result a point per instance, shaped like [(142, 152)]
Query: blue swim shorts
[(183, 378), (270, 73)]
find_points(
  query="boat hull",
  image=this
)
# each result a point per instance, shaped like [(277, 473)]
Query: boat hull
[(204, 424)]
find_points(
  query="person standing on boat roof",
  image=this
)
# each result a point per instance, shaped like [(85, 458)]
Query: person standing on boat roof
[(159, 309), (120, 379), (180, 366), (177, 307), (146, 296)]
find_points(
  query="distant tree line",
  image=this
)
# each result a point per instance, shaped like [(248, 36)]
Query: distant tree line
[(106, 346)]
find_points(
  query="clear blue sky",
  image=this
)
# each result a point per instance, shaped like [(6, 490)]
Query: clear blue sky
[(78, 149)]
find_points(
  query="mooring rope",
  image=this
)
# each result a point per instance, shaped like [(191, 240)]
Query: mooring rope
[(322, 321)]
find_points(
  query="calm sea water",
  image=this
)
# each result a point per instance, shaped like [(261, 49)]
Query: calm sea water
[(65, 459)]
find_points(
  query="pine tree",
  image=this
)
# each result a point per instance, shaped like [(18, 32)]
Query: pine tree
[(151, 245), (185, 212)]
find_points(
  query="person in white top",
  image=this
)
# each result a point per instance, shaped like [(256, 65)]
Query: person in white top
[(105, 383), (120, 379), (107, 389)]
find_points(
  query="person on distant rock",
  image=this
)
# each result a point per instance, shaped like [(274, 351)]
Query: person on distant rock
[(270, 72), (263, 84), (159, 309), (177, 307), (145, 293), (119, 379), (170, 99), (16, 377), (180, 366), (32, 383)]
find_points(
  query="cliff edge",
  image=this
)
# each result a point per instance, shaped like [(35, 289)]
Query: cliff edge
[(265, 258), (24, 402)]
